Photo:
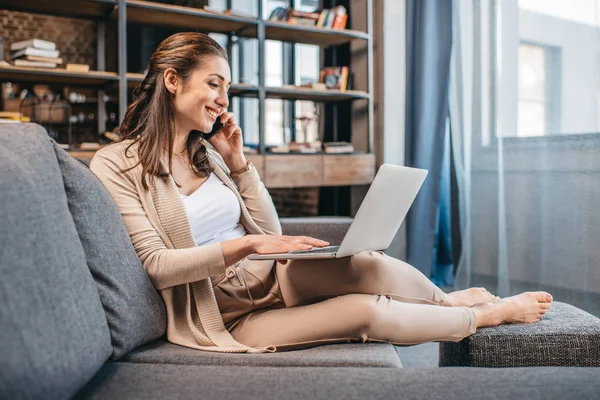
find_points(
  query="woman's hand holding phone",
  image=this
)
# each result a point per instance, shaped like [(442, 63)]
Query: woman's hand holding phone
[(229, 142)]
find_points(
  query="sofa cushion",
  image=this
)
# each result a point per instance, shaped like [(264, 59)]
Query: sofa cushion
[(336, 355), (565, 336), (134, 310), (54, 332), (163, 381)]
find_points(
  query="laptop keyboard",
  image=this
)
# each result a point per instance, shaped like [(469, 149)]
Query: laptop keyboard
[(328, 249)]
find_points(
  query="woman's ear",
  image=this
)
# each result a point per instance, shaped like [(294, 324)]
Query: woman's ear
[(171, 80)]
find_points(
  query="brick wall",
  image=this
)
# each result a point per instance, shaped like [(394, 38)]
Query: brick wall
[(296, 202)]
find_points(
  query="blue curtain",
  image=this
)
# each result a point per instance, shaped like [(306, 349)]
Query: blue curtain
[(429, 44)]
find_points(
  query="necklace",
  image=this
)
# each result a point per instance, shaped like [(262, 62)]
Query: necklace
[(179, 154)]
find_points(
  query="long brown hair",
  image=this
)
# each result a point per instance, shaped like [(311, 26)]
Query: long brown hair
[(150, 119)]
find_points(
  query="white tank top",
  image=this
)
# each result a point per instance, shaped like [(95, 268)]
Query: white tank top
[(214, 212)]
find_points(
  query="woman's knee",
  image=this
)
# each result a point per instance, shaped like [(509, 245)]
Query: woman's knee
[(368, 311), (372, 265)]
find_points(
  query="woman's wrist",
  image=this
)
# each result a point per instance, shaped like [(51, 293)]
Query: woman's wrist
[(235, 162)]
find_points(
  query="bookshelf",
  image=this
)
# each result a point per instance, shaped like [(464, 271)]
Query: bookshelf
[(289, 170)]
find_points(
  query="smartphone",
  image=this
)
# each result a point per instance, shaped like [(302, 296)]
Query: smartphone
[(215, 129)]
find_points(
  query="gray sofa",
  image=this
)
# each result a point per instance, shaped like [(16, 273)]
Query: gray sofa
[(80, 318)]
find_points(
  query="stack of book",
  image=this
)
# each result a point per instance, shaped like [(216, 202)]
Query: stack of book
[(335, 17), (35, 53), (338, 147)]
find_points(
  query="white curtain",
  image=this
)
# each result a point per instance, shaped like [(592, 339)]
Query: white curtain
[(525, 124)]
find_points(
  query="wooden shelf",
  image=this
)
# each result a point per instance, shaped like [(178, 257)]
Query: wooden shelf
[(317, 36), (314, 170), (59, 76), (237, 89), (148, 12), (314, 95), (65, 8)]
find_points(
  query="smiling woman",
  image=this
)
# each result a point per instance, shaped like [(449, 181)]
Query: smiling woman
[(184, 90)]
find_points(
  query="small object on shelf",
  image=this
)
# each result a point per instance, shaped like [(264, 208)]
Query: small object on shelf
[(78, 67), (36, 43), (334, 77), (279, 149), (338, 147)]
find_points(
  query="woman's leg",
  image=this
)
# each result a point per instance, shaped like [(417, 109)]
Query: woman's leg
[(354, 317), (369, 272), (363, 317)]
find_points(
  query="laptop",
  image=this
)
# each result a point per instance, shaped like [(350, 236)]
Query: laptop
[(378, 219)]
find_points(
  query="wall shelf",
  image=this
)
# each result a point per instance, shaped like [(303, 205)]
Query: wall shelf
[(146, 12), (65, 8), (308, 35), (314, 95), (56, 76)]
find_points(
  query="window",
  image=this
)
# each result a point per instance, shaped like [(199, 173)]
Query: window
[(538, 90), (544, 67)]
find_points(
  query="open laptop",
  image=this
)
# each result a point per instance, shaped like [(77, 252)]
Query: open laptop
[(378, 219)]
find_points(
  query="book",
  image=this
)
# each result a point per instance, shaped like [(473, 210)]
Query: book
[(338, 147), (322, 18), (44, 59), (36, 43), (78, 67), (334, 77), (340, 21), (30, 51), (36, 64)]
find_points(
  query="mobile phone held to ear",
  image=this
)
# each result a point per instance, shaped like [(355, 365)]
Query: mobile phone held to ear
[(215, 129)]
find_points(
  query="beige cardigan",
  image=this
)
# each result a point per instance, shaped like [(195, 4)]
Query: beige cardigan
[(161, 234)]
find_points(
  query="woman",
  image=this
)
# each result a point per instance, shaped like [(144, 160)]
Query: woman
[(195, 211)]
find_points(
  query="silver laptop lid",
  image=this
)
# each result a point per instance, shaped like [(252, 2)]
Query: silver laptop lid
[(383, 209)]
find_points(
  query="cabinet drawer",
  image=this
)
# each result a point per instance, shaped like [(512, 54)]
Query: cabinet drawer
[(285, 171), (348, 169)]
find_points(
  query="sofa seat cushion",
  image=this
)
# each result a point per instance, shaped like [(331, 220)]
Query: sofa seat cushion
[(119, 380), (565, 336), (134, 310), (335, 355)]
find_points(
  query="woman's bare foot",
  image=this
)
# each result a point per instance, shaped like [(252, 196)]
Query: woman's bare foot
[(469, 297), (523, 308)]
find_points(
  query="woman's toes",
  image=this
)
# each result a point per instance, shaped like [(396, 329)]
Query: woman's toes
[(541, 297)]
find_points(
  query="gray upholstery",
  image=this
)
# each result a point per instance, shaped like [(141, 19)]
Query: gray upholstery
[(337, 355), (54, 333), (566, 336), (134, 310), (330, 229), (163, 381)]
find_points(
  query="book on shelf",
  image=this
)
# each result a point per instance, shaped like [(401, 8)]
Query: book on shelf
[(334, 77), (57, 60), (35, 43), (37, 64), (297, 147), (32, 51), (335, 18), (338, 147)]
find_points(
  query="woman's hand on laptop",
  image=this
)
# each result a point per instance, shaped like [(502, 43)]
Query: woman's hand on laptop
[(273, 244)]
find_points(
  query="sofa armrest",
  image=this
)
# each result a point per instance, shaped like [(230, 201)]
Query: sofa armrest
[(330, 229)]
